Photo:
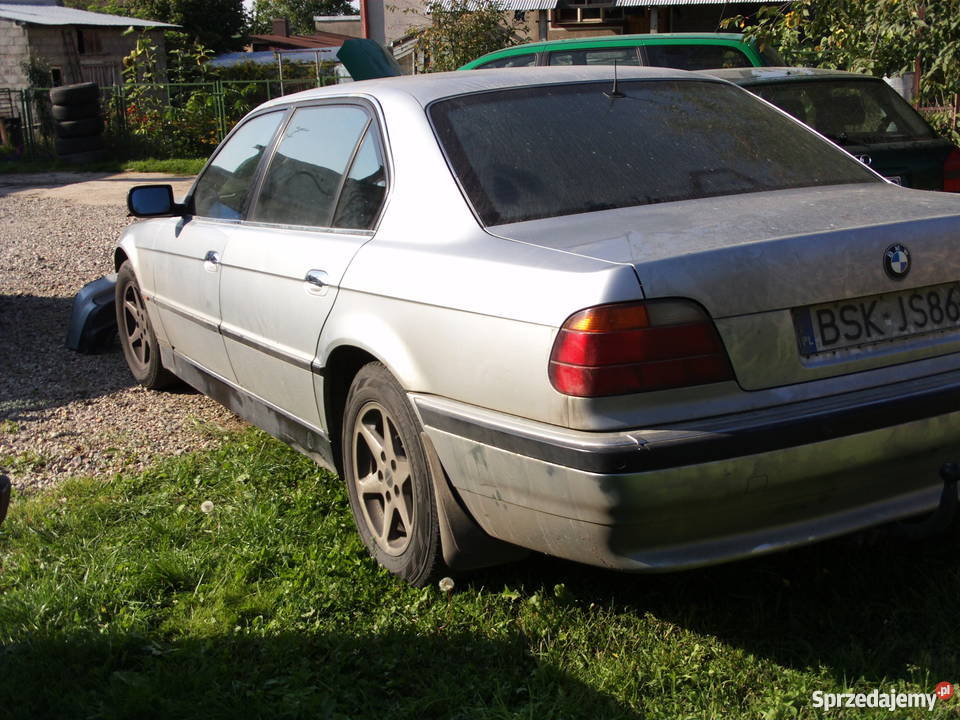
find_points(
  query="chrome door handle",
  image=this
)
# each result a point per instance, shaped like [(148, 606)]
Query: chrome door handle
[(212, 257), (317, 278)]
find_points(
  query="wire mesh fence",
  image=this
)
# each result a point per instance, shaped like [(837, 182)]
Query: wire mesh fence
[(148, 119)]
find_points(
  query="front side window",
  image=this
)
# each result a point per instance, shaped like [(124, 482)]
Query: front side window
[(696, 57), (551, 150), (222, 190), (308, 171), (526, 60)]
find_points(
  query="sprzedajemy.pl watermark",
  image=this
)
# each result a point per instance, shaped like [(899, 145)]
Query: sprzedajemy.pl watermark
[(892, 700)]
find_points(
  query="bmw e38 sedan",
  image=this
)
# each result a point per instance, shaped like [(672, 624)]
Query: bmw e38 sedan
[(648, 324)]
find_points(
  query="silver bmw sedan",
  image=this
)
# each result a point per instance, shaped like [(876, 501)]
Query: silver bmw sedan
[(631, 317)]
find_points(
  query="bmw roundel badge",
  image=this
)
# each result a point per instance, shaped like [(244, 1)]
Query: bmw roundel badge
[(896, 261)]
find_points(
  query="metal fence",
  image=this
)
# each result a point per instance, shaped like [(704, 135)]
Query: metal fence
[(157, 119)]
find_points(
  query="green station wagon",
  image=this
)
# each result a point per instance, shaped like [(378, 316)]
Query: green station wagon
[(683, 51)]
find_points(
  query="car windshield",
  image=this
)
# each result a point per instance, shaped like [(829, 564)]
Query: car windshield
[(849, 112), (545, 151)]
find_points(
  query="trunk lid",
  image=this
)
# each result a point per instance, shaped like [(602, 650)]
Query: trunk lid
[(913, 163), (761, 262)]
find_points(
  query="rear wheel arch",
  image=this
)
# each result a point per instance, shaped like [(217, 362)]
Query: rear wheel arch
[(341, 368), (465, 545), (119, 258)]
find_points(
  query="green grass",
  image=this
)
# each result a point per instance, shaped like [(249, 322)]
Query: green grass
[(171, 166), (120, 598)]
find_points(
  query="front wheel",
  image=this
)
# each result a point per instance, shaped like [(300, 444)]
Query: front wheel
[(139, 342), (388, 479)]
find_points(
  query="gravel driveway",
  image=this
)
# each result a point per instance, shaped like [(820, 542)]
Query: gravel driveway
[(62, 413)]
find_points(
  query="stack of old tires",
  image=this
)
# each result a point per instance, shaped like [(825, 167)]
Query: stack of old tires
[(77, 122)]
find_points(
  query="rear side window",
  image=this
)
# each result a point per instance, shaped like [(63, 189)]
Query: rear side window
[(365, 186), (598, 56), (546, 151), (849, 111), (528, 60), (222, 190), (307, 173), (696, 57)]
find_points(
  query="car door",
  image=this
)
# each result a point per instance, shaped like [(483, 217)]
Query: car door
[(187, 263), (316, 206)]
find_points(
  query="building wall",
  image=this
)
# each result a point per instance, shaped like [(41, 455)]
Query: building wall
[(101, 58), (13, 52), (349, 26), (391, 20)]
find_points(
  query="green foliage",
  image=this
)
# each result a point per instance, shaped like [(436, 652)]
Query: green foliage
[(881, 37), (164, 120), (187, 60), (218, 24), (300, 13), (38, 71), (462, 30), (189, 116), (9, 163), (122, 598)]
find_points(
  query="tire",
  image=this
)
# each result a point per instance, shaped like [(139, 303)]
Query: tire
[(69, 146), (388, 478), (75, 94), (86, 127), (137, 339), (75, 112)]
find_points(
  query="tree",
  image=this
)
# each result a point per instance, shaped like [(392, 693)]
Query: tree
[(461, 30), (218, 24), (881, 37), (300, 13)]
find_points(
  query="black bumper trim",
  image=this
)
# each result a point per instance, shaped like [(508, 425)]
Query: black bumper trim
[(689, 446)]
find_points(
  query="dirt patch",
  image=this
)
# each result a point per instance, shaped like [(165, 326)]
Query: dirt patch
[(62, 413)]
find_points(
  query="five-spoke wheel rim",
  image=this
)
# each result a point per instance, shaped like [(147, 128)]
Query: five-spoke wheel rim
[(383, 483), (135, 326)]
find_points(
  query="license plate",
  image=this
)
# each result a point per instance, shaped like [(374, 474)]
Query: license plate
[(877, 319)]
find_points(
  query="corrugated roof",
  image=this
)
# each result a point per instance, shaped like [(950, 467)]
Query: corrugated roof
[(655, 3), (529, 4), (516, 4), (56, 15), (268, 57), (303, 41)]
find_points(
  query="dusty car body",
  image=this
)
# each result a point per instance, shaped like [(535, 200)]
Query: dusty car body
[(637, 353)]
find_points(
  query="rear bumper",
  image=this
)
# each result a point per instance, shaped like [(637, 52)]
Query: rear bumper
[(688, 495)]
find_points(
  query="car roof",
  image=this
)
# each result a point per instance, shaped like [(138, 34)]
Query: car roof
[(603, 40), (432, 86), (762, 75)]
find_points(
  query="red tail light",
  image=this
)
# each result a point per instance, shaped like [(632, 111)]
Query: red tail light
[(951, 172), (637, 347)]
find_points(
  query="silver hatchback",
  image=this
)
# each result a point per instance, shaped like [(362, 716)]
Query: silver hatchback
[(648, 323)]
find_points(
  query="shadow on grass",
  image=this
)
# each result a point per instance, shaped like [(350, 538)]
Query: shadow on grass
[(880, 610), (392, 675)]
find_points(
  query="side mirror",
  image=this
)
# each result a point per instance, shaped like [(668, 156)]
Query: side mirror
[(153, 201)]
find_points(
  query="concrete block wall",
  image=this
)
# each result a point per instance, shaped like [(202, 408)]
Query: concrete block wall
[(59, 47), (14, 51)]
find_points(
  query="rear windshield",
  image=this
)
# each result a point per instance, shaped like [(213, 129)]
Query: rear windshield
[(545, 151), (849, 112)]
